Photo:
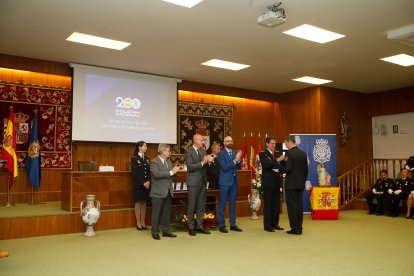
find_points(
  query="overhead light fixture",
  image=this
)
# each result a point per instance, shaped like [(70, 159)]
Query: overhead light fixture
[(401, 59), (312, 80), (313, 33), (97, 41), (403, 35), (184, 3), (272, 16), (225, 64)]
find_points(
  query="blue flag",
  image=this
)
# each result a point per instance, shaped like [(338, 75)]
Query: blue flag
[(33, 154)]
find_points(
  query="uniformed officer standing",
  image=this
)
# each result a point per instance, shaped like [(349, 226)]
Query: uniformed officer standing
[(141, 178)]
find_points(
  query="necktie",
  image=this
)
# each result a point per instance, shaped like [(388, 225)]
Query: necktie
[(198, 153), (165, 164)]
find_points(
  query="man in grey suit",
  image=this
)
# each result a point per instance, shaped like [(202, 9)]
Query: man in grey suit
[(162, 191), (196, 159)]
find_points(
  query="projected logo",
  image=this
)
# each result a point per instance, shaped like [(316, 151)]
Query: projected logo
[(127, 107)]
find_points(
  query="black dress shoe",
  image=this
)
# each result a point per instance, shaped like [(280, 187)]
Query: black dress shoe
[(144, 228), (223, 229), (140, 228), (235, 228), (169, 234), (156, 236), (192, 233), (277, 227), (293, 232), (269, 229), (203, 231)]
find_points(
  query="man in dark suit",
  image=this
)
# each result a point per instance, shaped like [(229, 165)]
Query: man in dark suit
[(229, 162), (296, 169), (162, 191), (196, 160), (213, 168), (269, 159)]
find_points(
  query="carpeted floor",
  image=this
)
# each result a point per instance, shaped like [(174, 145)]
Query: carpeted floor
[(356, 244)]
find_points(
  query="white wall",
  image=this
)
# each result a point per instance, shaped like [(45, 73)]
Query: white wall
[(387, 144)]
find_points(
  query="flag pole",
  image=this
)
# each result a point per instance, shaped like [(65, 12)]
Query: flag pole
[(33, 201), (8, 203)]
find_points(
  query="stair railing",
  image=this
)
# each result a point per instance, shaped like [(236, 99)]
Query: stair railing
[(357, 181)]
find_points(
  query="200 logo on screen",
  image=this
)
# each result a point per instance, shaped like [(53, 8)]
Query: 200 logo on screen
[(127, 107)]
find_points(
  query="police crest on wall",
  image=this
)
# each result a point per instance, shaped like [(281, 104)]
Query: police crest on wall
[(212, 121)]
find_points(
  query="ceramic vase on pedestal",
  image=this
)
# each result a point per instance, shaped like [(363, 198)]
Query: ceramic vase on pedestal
[(254, 202), (90, 214)]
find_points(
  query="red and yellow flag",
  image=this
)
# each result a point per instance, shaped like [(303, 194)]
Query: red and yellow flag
[(324, 202), (252, 160), (8, 151), (244, 155)]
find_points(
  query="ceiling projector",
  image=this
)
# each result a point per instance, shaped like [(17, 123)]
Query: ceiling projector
[(273, 16)]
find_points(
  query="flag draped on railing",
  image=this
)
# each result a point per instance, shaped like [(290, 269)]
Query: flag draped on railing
[(8, 151), (33, 154)]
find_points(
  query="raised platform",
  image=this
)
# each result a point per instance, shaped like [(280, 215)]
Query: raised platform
[(23, 220)]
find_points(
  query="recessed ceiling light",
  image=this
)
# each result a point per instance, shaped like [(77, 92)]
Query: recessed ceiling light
[(401, 59), (312, 80), (97, 41), (184, 3), (225, 64), (313, 33)]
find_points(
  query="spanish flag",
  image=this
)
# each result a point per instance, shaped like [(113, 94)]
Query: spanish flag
[(252, 160), (324, 203), (8, 151)]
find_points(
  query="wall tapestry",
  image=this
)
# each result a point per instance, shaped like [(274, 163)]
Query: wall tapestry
[(54, 115), (212, 121)]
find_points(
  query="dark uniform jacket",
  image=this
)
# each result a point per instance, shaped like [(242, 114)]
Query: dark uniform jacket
[(270, 177)]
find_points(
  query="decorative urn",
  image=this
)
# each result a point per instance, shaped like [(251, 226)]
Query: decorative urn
[(89, 213), (254, 202)]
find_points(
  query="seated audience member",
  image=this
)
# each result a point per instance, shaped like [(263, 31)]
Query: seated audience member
[(381, 184), (401, 189)]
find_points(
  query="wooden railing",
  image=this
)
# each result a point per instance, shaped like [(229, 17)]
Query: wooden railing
[(357, 181)]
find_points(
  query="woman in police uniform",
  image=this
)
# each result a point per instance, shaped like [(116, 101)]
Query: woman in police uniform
[(141, 177)]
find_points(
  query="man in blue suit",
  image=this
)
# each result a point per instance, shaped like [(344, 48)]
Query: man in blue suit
[(229, 161)]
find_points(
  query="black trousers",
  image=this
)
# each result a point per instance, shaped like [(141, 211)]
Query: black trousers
[(395, 202), (379, 208), (271, 209), (294, 203)]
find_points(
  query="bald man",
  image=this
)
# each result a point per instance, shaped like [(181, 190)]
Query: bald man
[(197, 160)]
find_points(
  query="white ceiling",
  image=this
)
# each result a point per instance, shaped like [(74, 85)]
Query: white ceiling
[(172, 41)]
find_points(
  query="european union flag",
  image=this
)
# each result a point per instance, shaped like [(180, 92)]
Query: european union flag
[(33, 154)]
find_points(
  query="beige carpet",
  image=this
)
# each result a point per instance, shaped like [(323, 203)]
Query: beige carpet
[(356, 244)]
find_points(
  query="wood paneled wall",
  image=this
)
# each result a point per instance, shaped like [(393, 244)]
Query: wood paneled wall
[(318, 110), (392, 102)]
